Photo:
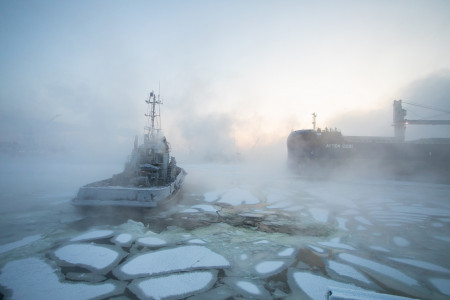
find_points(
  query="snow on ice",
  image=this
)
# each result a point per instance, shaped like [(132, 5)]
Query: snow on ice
[(17, 244), (92, 257), (177, 286), (93, 235), (32, 278), (183, 258)]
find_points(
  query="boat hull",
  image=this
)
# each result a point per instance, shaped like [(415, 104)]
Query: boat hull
[(97, 194)]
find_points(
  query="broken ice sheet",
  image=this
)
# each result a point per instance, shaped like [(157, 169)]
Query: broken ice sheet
[(96, 258), (179, 285), (421, 264), (151, 241), (177, 259), (93, 235), (345, 270), (237, 197), (386, 271), (32, 278), (314, 286), (248, 288), (271, 267), (17, 244), (123, 239)]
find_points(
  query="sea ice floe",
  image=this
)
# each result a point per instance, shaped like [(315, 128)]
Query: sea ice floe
[(123, 239), (442, 284), (93, 257), (342, 223), (316, 287), (345, 270), (17, 244), (267, 268), (421, 264), (238, 197), (319, 214), (248, 288), (335, 243), (212, 196), (261, 242), (316, 249), (386, 271), (400, 242), (363, 220), (32, 278), (206, 208), (287, 252), (196, 241), (151, 241), (178, 259), (93, 235), (442, 238), (172, 286), (378, 248)]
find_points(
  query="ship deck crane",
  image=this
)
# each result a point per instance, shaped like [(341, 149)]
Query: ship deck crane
[(400, 122)]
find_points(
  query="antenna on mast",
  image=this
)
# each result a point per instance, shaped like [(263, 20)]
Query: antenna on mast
[(154, 116), (314, 120)]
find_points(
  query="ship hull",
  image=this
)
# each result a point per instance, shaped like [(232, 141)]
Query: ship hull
[(102, 194), (312, 151)]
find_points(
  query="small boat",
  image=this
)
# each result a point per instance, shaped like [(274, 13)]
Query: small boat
[(150, 175)]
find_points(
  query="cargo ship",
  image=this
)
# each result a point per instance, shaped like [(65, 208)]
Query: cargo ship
[(317, 151), (150, 175)]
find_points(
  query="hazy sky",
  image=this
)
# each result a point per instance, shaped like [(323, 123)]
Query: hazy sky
[(234, 75)]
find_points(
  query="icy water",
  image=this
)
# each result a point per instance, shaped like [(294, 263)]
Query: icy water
[(234, 232)]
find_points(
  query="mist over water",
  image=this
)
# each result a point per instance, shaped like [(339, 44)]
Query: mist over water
[(350, 230)]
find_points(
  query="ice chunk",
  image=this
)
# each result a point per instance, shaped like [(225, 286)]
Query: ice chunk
[(340, 293), (93, 235), (270, 267), (319, 214), (238, 197), (443, 285), (287, 252), (212, 196), (206, 208), (443, 238), (182, 258), (32, 278), (345, 270), (90, 256), (123, 239), (247, 288), (316, 249), (196, 241), (175, 285), (316, 286), (335, 243), (379, 268), (14, 245), (378, 248), (151, 241), (342, 223), (421, 264), (401, 242), (363, 220)]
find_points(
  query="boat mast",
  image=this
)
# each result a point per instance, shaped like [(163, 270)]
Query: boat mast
[(314, 120), (153, 115)]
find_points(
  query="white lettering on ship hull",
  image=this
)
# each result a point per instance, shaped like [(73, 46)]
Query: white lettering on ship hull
[(339, 146)]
